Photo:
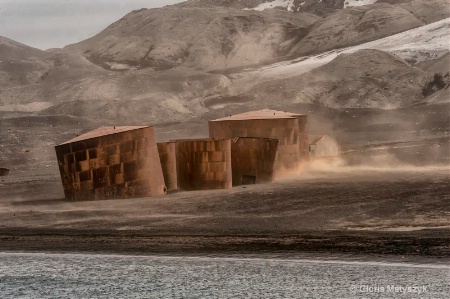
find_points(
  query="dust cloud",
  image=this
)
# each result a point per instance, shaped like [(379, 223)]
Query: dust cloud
[(335, 167)]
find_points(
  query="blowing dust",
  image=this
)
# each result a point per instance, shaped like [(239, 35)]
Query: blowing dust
[(336, 166)]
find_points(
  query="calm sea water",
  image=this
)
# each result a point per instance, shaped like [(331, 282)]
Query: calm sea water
[(39, 275)]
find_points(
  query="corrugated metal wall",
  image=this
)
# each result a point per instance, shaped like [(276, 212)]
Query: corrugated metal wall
[(303, 139), (204, 164), (292, 133), (167, 155), (252, 160), (120, 165)]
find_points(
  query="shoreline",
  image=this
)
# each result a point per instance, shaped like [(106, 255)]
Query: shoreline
[(430, 244)]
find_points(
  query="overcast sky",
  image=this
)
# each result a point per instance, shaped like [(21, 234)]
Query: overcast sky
[(47, 24)]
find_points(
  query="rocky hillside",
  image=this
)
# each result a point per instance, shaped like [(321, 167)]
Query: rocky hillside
[(210, 35), (154, 66), (322, 7), (437, 88), (198, 38), (20, 64), (22, 69), (356, 25), (319, 7), (364, 79), (438, 65), (177, 66)]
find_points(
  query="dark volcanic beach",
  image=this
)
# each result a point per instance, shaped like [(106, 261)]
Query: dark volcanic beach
[(432, 244)]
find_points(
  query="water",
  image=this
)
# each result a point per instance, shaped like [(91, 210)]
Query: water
[(39, 275)]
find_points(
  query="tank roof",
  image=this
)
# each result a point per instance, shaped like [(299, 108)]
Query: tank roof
[(315, 138), (235, 139), (103, 131), (198, 139), (261, 114)]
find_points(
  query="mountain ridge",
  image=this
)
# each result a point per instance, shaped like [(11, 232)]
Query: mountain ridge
[(74, 81), (212, 37), (381, 90)]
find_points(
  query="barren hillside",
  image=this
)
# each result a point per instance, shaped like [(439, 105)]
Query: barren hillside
[(367, 78), (21, 67), (356, 25), (206, 35), (198, 38), (178, 66), (352, 82), (437, 65), (374, 79), (70, 84), (20, 64), (10, 49), (318, 7)]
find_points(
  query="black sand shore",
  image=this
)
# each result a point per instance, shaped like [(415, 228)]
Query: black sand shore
[(431, 244)]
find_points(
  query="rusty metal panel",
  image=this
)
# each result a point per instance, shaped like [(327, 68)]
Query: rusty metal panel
[(108, 163), (253, 160), (303, 139), (204, 164), (167, 156), (290, 129)]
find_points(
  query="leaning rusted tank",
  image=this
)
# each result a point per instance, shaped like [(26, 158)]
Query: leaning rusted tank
[(4, 171)]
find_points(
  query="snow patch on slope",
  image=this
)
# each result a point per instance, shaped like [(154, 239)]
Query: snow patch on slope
[(349, 3), (288, 4), (120, 66), (423, 43)]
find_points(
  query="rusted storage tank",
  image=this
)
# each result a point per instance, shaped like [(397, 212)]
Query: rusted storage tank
[(323, 146), (111, 162), (167, 156), (204, 164), (252, 160), (289, 128)]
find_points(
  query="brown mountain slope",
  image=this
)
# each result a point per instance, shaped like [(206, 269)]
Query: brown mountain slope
[(428, 11), (321, 8), (439, 65), (437, 89), (355, 25), (20, 64), (70, 84), (237, 4), (200, 38), (142, 95), (370, 79), (364, 79), (207, 35), (10, 49), (318, 7)]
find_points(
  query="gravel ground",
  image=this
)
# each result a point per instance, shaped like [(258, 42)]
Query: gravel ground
[(346, 210)]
